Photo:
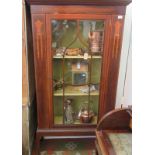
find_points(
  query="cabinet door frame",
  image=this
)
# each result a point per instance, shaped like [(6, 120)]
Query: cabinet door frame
[(107, 28)]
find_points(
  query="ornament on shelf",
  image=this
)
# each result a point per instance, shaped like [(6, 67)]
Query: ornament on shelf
[(73, 51), (95, 41), (69, 113), (57, 84), (91, 88), (86, 113), (60, 51)]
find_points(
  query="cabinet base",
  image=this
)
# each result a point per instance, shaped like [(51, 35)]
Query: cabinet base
[(72, 133)]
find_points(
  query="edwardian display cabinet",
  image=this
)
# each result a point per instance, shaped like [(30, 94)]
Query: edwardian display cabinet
[(77, 47)]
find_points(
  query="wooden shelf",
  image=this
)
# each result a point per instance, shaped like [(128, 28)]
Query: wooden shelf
[(77, 57), (94, 121), (58, 120), (74, 91)]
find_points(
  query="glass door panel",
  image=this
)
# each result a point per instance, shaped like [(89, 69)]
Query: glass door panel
[(77, 47), (76, 72), (58, 91), (58, 111), (93, 106), (72, 109), (75, 81), (57, 77)]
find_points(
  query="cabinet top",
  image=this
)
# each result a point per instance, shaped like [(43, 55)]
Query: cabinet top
[(80, 2)]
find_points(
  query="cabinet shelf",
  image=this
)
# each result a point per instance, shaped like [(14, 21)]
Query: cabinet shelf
[(77, 57), (74, 91), (59, 121)]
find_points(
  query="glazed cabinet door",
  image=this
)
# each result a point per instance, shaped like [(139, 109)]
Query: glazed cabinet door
[(76, 45), (76, 67)]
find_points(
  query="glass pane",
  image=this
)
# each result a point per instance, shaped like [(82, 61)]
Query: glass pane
[(63, 32), (76, 37), (77, 47), (58, 111), (73, 108), (94, 100), (57, 77), (75, 72), (96, 71), (58, 91)]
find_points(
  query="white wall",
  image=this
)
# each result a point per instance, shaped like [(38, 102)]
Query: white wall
[(128, 81), (124, 94)]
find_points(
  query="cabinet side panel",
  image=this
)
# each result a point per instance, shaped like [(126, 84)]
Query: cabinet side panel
[(111, 61), (41, 70), (105, 68), (115, 51)]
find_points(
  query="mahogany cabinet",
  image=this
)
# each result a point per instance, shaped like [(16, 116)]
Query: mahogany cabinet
[(77, 47)]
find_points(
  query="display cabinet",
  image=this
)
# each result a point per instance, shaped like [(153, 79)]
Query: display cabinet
[(77, 47)]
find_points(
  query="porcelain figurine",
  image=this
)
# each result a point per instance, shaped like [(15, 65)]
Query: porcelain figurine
[(69, 113), (60, 51)]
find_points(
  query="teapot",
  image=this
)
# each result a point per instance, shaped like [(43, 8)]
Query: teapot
[(86, 114)]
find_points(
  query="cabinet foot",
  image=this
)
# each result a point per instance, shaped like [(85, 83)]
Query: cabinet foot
[(37, 149)]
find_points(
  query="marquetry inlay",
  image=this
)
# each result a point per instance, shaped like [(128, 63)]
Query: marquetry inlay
[(116, 39), (38, 26), (39, 39)]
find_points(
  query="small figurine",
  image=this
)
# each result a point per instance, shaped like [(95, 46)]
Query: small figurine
[(60, 51), (57, 84), (69, 113), (92, 88)]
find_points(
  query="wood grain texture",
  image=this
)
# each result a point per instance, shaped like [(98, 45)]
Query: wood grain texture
[(104, 143), (73, 9), (115, 120), (41, 70), (30, 56), (111, 64), (50, 72), (80, 2), (24, 60), (105, 71), (57, 133), (67, 132), (41, 24)]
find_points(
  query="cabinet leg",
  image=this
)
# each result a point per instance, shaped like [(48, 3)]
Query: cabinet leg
[(37, 150), (96, 151)]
